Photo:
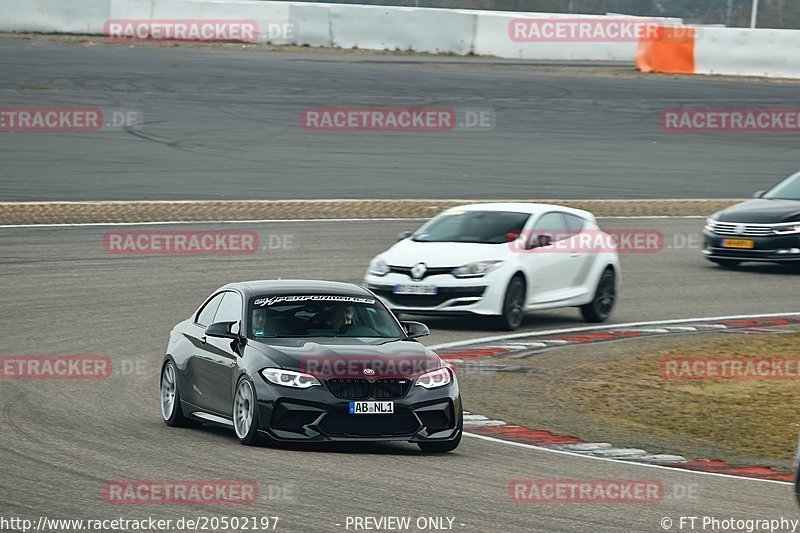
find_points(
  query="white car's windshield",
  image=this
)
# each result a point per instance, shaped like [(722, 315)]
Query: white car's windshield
[(485, 227)]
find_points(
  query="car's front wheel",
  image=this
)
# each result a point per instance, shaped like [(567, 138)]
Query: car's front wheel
[(171, 410), (513, 305), (245, 414), (605, 296)]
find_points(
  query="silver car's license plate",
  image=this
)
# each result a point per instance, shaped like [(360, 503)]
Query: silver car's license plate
[(371, 408)]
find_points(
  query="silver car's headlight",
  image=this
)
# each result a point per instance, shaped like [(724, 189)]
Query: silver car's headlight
[(378, 267), (476, 269), (437, 378), (290, 378)]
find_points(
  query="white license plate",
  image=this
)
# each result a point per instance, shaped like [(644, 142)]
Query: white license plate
[(371, 408), (416, 289)]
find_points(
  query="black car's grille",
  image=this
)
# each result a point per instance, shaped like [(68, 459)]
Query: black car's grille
[(428, 300), (430, 271), (360, 389), (339, 422), (350, 389), (743, 230), (384, 389)]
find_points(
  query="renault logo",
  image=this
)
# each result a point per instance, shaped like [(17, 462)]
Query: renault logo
[(418, 271), (740, 229)]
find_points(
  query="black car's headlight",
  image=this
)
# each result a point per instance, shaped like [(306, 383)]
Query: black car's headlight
[(437, 378), (477, 269), (788, 229), (710, 224), (289, 378)]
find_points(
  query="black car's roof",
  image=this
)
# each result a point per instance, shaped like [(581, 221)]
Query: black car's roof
[(298, 286)]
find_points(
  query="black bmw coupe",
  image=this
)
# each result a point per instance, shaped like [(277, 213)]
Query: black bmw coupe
[(308, 361), (765, 229)]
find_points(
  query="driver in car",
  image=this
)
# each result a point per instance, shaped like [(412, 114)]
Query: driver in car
[(259, 322), (341, 318)]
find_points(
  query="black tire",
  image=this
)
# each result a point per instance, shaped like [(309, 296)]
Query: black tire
[(448, 446), (605, 296), (727, 263), (250, 437), (173, 414), (513, 305)]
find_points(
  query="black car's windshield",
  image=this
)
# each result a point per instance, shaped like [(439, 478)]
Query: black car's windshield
[(788, 189), (484, 227), (309, 315)]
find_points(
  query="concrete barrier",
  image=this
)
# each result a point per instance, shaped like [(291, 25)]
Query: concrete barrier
[(746, 52), (54, 16), (724, 51), (451, 31), (492, 39)]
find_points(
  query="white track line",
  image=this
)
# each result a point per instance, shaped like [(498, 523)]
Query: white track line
[(581, 329), (614, 326), (632, 463)]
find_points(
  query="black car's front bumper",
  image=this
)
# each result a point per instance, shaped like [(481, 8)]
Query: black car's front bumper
[(316, 414), (771, 249)]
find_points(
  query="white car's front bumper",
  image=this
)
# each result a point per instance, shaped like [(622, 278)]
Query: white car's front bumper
[(454, 296)]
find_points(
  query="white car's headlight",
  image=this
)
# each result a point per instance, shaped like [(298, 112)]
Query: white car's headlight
[(476, 269), (788, 229), (378, 267), (289, 378), (437, 378), (710, 224)]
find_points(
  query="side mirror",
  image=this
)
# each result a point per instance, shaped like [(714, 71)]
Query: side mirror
[(415, 329), (540, 241), (758, 194), (222, 330), (404, 235)]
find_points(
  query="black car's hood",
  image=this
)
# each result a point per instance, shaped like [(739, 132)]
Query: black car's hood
[(303, 355), (761, 211)]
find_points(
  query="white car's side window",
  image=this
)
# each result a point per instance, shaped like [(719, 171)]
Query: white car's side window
[(551, 224)]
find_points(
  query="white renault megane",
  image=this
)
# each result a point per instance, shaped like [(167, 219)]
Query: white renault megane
[(500, 260)]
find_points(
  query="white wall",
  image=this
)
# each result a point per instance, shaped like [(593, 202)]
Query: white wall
[(368, 27), (62, 16), (746, 52)]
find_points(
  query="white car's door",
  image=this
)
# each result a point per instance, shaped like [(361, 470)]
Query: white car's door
[(552, 268)]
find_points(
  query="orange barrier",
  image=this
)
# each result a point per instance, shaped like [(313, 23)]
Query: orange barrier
[(669, 49)]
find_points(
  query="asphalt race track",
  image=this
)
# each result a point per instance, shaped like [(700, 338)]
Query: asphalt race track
[(225, 124), (63, 440)]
